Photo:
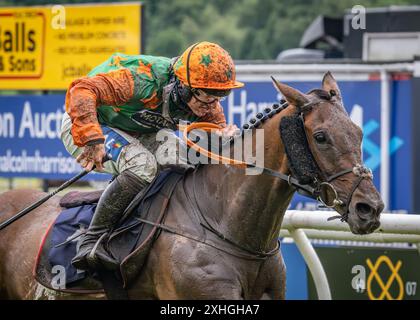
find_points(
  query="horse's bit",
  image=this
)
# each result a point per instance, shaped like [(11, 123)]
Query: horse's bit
[(316, 188), (312, 190)]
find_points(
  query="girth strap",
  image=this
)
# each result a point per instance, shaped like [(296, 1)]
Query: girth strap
[(206, 225), (251, 256)]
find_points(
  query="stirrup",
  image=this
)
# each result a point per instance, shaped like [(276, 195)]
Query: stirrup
[(95, 261), (91, 256)]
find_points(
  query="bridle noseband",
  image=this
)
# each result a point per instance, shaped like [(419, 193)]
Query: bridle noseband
[(315, 189), (359, 170)]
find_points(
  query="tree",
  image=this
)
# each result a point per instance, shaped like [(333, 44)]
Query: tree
[(248, 29)]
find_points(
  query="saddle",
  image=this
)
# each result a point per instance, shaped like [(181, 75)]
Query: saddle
[(130, 241)]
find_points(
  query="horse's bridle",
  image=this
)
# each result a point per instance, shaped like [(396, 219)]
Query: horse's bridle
[(315, 188)]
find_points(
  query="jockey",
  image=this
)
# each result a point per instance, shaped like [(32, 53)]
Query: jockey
[(99, 120)]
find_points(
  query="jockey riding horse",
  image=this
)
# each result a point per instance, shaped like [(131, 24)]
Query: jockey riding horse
[(100, 118)]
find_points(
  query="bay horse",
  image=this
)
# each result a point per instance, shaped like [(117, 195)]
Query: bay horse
[(239, 258)]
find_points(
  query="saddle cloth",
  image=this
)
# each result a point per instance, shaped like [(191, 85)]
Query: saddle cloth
[(129, 242)]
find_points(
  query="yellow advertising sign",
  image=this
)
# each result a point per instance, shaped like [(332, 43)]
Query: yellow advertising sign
[(46, 47)]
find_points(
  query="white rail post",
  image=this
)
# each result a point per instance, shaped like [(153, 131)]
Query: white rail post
[(418, 247), (313, 262), (385, 137)]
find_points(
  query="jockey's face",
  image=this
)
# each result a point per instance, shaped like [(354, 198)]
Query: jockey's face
[(201, 103)]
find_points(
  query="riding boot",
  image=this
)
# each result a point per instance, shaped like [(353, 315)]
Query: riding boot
[(112, 204)]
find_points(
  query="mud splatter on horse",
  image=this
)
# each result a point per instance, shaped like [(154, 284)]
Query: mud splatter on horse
[(247, 209)]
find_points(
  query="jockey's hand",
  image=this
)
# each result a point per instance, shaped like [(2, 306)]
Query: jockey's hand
[(231, 130), (92, 155)]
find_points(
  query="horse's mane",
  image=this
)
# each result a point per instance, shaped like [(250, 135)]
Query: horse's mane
[(258, 119)]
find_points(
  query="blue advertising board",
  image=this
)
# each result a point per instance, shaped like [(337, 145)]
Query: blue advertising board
[(30, 144)]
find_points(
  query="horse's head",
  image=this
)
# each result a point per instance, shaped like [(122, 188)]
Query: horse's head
[(323, 147)]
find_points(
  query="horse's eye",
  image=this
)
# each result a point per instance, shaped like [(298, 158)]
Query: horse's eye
[(320, 137)]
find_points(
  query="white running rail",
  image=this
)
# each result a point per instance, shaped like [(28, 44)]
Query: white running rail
[(302, 225)]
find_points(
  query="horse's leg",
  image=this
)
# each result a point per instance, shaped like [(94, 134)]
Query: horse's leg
[(273, 277), (178, 268), (206, 273)]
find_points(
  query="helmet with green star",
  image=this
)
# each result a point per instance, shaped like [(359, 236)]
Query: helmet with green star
[(206, 65)]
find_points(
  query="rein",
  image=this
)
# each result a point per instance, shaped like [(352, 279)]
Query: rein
[(253, 254), (314, 192), (244, 252), (207, 126)]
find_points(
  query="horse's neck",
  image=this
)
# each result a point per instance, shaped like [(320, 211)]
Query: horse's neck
[(247, 208)]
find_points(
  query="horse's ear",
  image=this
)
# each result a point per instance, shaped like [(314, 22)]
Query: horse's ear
[(293, 96), (330, 85)]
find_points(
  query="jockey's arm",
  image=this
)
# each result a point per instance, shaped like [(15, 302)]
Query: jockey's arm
[(83, 97), (113, 88)]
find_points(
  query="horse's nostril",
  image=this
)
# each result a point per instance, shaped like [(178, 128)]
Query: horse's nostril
[(363, 208)]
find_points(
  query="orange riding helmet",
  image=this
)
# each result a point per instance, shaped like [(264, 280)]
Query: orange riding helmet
[(207, 65)]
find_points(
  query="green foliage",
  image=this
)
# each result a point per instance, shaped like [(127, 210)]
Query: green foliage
[(248, 29)]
